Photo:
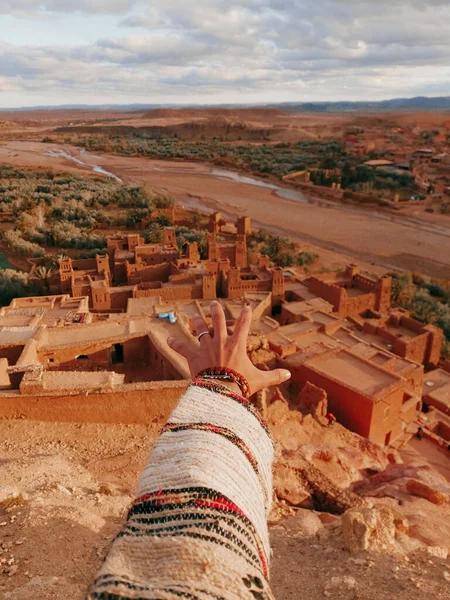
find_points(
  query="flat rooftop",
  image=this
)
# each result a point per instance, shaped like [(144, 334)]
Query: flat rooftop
[(95, 332), (305, 306), (295, 330), (10, 336), (401, 331), (80, 380), (300, 290), (354, 372), (434, 380)]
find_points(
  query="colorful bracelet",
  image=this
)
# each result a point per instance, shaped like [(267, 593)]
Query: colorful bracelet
[(226, 374)]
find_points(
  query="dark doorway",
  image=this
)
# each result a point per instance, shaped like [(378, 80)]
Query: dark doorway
[(387, 440), (83, 357), (117, 354)]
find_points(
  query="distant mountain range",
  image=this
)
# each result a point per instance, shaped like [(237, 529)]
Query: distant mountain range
[(408, 104), (420, 103)]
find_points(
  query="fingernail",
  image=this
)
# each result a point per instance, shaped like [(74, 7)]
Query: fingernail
[(287, 375), (170, 340)]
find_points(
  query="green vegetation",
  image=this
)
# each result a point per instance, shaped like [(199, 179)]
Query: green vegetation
[(275, 159), (15, 284), (355, 178), (61, 210), (283, 252), (428, 301), (325, 159)]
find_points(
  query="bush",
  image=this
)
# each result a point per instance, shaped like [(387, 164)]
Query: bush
[(14, 284), (23, 247), (306, 258)]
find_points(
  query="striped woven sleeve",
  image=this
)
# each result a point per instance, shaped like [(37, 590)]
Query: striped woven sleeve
[(198, 527)]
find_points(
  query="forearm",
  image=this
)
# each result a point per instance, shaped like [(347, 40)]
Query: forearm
[(203, 500)]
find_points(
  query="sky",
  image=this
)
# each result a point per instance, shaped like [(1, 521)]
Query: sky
[(55, 52)]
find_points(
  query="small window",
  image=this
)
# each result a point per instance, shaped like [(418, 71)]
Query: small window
[(387, 412), (83, 357), (51, 360)]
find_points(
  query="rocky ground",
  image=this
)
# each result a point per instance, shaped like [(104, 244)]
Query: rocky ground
[(75, 483)]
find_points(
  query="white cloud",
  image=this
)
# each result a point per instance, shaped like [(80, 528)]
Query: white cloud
[(33, 7), (248, 50)]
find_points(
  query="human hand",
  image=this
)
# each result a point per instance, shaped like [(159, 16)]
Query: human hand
[(219, 349)]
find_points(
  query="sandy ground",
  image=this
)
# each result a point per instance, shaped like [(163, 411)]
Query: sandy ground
[(80, 481), (374, 237)]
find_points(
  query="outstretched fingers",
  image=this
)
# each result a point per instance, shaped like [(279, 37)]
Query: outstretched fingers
[(275, 377), (219, 321), (183, 347), (200, 327), (243, 325)]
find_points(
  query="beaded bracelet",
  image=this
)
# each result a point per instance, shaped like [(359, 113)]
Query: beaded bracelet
[(226, 374)]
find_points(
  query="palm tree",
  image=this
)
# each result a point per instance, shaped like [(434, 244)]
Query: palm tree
[(43, 274)]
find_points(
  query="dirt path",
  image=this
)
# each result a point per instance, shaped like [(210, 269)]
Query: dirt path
[(389, 241), (79, 482)]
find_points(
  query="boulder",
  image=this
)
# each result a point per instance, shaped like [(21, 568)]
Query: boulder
[(418, 488), (288, 486), (313, 399), (344, 583), (368, 529), (305, 523)]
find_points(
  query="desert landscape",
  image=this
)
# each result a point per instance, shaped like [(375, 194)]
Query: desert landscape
[(118, 226)]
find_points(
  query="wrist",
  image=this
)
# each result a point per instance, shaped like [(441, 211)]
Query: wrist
[(228, 377), (228, 384)]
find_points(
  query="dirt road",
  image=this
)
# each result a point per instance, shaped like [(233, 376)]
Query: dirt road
[(375, 237)]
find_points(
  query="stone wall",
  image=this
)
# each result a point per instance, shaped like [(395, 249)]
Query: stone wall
[(130, 404)]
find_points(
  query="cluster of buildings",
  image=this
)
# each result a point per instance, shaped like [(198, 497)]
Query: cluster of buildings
[(427, 167), (98, 343)]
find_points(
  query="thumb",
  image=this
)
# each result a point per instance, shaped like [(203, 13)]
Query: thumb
[(274, 377)]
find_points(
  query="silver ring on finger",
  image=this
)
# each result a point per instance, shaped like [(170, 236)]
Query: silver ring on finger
[(199, 337)]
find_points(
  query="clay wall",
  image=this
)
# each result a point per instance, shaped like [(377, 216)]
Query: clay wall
[(160, 272), (11, 353), (99, 356), (171, 293), (136, 350), (120, 273), (263, 309), (119, 300), (385, 418), (244, 226), (100, 299), (351, 409), (29, 354), (160, 367), (411, 348), (331, 293), (84, 264), (434, 345), (236, 290), (443, 431), (355, 305), (414, 379), (130, 404), (66, 358), (411, 324), (4, 377), (364, 283), (156, 258)]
